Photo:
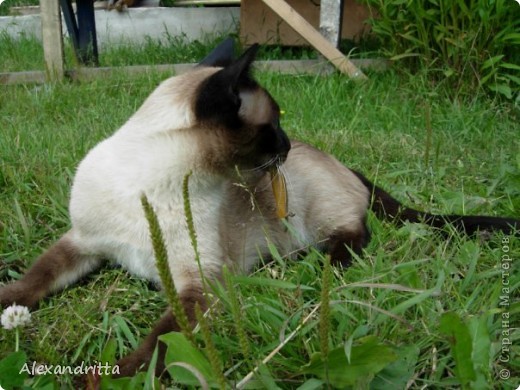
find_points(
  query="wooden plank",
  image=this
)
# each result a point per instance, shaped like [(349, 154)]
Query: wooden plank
[(89, 74), (330, 20), (52, 39), (35, 9), (183, 3), (281, 66), (259, 24), (30, 77), (302, 27)]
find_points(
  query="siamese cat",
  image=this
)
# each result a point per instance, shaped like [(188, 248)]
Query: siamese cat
[(218, 123)]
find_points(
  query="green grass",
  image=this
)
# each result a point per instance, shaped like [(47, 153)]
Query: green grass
[(26, 53), (5, 7), (471, 166)]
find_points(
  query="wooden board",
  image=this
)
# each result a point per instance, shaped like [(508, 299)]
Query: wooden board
[(88, 74), (258, 23), (311, 35)]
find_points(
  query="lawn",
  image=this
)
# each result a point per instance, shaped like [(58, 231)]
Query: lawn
[(410, 313)]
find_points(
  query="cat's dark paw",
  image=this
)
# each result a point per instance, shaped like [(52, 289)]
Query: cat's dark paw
[(138, 361), (131, 364), (17, 293)]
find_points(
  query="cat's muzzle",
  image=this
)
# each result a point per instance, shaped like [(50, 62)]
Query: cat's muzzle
[(283, 147)]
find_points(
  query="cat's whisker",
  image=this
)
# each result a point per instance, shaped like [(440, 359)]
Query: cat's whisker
[(264, 166), (267, 164)]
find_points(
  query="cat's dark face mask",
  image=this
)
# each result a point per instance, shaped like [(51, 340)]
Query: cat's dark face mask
[(244, 114)]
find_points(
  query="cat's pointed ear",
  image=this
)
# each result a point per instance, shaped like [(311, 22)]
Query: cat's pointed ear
[(220, 56), (218, 98), (239, 69)]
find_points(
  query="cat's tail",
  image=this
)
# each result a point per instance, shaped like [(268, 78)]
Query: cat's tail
[(387, 207)]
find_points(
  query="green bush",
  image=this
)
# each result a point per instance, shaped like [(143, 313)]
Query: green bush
[(468, 43)]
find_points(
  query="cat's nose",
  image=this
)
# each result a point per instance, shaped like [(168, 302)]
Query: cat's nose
[(283, 145)]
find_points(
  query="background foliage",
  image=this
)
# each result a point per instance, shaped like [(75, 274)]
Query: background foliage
[(467, 43)]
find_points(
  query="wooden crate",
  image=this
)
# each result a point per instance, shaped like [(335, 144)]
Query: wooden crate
[(259, 24)]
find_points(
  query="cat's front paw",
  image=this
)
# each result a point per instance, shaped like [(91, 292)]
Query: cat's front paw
[(139, 361), (17, 293), (131, 364)]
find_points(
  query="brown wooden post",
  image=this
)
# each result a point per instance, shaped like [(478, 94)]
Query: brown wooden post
[(52, 39)]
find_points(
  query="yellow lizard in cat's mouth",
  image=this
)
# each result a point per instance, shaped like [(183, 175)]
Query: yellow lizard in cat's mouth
[(280, 192)]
